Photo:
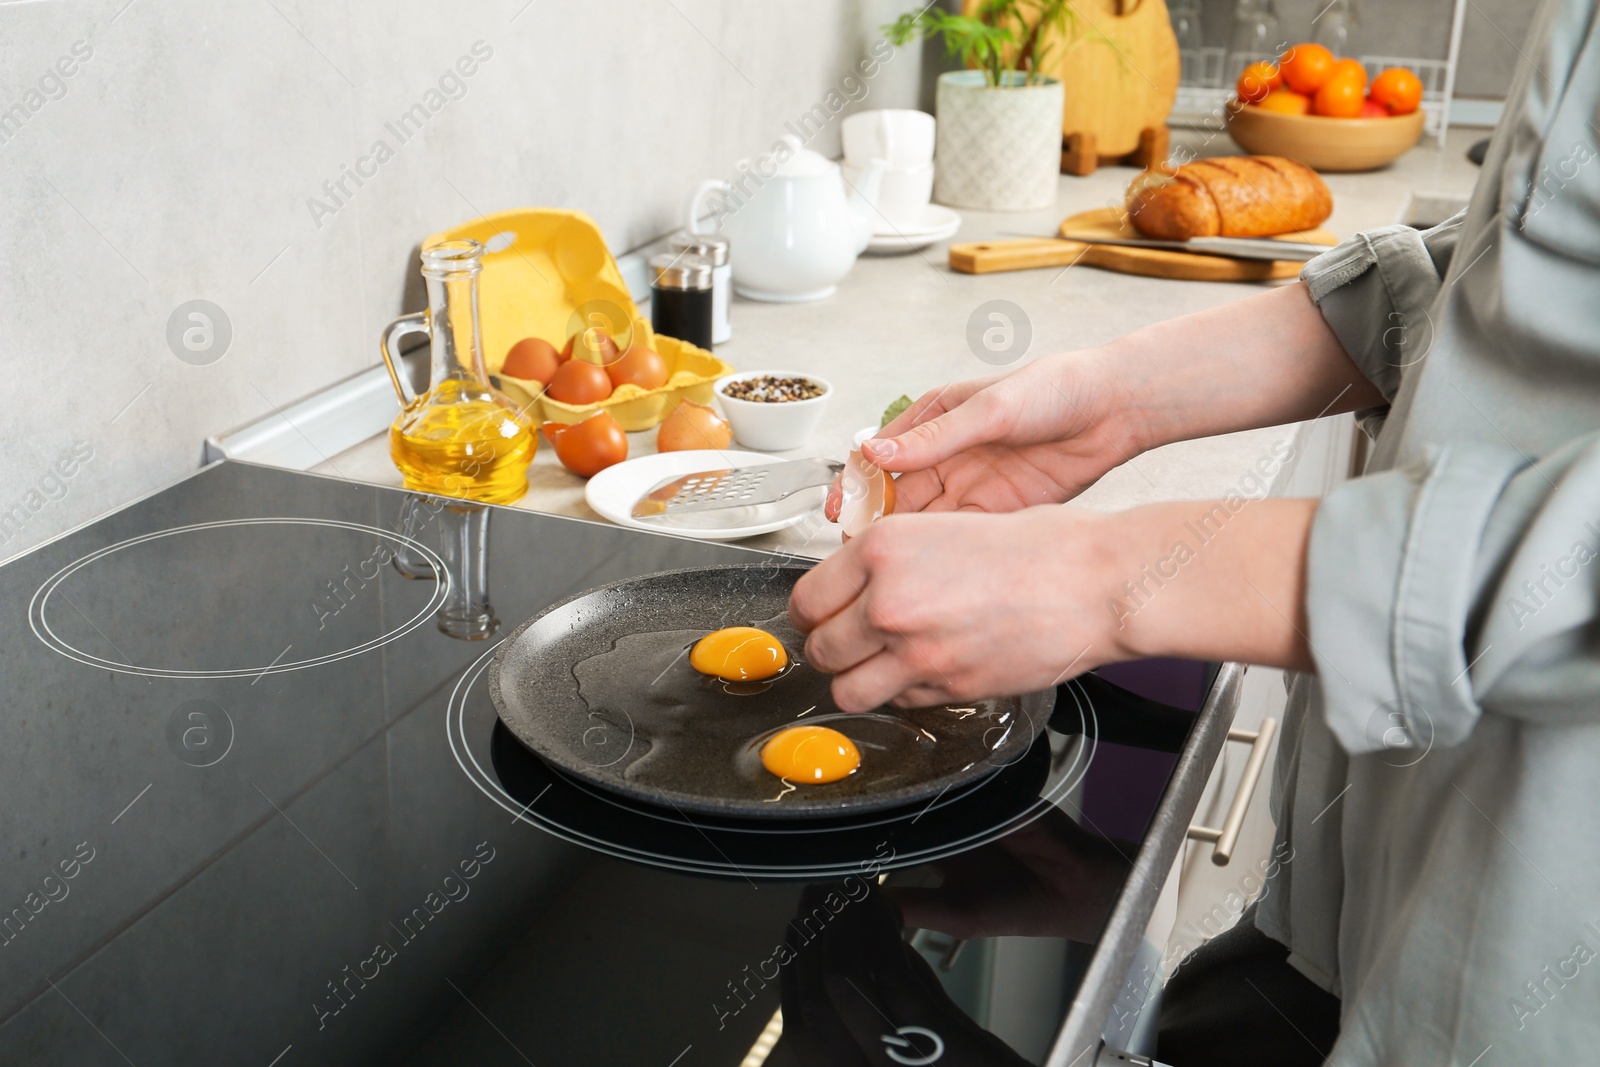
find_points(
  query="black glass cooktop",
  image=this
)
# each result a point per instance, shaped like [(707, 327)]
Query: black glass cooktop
[(257, 809)]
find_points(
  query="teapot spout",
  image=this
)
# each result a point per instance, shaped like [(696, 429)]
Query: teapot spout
[(863, 201)]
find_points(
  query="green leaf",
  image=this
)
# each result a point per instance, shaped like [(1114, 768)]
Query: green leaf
[(894, 410)]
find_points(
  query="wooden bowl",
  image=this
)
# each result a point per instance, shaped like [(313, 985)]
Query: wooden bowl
[(1324, 143)]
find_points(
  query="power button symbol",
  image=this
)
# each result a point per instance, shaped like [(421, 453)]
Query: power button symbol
[(912, 1057)]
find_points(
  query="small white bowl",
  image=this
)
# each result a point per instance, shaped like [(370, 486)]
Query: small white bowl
[(773, 427)]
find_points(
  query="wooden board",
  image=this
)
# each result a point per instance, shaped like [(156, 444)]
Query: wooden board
[(1080, 153), (1116, 91), (988, 257), (1117, 85)]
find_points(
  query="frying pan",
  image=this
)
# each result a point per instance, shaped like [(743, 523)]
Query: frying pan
[(534, 681)]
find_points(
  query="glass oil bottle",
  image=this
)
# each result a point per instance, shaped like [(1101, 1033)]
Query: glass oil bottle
[(462, 438)]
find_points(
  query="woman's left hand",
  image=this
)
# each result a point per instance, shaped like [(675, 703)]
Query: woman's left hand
[(933, 608), (929, 609)]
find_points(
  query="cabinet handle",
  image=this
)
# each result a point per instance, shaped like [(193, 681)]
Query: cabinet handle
[(1227, 837)]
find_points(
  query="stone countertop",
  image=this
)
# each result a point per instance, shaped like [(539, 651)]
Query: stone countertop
[(898, 325)]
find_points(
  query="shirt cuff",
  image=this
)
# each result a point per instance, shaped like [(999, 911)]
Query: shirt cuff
[(1390, 583), (1374, 291)]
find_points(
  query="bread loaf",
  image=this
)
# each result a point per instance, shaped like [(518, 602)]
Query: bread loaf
[(1230, 196)]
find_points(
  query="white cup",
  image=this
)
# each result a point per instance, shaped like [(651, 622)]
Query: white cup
[(898, 136), (903, 196)]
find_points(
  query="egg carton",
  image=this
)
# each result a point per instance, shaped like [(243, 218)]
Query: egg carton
[(547, 273)]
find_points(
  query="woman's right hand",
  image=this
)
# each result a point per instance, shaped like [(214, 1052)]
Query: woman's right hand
[(1041, 434)]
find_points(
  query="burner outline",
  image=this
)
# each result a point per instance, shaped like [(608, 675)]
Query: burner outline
[(41, 626), (489, 785)]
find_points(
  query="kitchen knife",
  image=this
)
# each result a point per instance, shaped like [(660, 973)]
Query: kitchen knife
[(735, 488)]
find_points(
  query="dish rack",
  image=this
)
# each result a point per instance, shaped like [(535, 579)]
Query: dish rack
[(1209, 74)]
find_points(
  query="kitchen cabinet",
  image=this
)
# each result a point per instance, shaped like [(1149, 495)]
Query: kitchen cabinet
[(1211, 897)]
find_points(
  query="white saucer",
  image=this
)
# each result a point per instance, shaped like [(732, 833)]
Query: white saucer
[(615, 490), (936, 224)]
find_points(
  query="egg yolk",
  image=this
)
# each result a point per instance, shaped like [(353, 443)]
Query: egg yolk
[(739, 654), (810, 755)]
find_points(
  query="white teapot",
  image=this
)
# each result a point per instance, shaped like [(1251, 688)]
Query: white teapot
[(794, 230)]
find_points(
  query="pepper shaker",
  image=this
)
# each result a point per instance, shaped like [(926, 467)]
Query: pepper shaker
[(715, 247), (680, 297)]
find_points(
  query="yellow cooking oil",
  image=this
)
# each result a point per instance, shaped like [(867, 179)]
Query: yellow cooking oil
[(462, 440)]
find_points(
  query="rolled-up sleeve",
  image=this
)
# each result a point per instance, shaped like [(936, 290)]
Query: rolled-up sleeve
[(1466, 582), (1374, 291)]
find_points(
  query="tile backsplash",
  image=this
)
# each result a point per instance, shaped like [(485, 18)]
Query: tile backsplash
[(208, 210)]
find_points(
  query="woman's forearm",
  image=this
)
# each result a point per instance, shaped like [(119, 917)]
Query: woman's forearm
[(1212, 580), (1058, 424), (1265, 360)]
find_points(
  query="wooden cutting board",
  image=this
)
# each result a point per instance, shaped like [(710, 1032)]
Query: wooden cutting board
[(1118, 64), (988, 257)]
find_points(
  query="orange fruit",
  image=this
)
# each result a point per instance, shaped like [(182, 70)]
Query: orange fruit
[(1398, 90), (1339, 98), (1286, 102), (1305, 67), (1371, 109), (1349, 68), (1257, 80)]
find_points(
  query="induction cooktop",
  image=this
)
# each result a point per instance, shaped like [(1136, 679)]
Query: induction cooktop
[(258, 809)]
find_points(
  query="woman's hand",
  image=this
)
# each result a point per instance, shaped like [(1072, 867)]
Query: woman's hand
[(927, 609), (1040, 435), (1048, 431), (931, 609)]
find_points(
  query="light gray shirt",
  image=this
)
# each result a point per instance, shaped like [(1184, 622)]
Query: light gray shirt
[(1439, 777)]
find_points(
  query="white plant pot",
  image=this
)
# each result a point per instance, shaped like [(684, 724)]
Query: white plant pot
[(999, 148)]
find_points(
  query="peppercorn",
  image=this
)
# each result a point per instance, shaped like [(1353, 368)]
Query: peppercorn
[(770, 389)]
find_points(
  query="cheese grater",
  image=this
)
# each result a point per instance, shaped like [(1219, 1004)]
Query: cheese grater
[(743, 487)]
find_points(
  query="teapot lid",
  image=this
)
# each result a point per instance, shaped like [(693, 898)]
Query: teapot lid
[(802, 162)]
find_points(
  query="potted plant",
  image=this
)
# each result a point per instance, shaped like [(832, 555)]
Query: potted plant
[(999, 138)]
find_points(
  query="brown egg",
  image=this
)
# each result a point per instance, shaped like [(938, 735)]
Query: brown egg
[(532, 359), (868, 495), (579, 382), (689, 426), (594, 345), (586, 448), (639, 366)]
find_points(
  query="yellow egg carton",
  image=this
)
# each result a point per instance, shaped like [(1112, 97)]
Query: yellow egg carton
[(547, 273)]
